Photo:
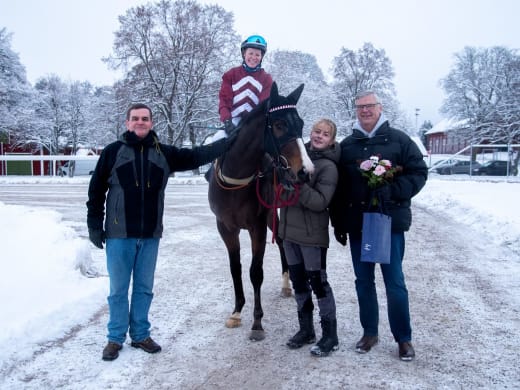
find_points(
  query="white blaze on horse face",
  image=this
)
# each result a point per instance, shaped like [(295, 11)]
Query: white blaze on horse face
[(307, 162)]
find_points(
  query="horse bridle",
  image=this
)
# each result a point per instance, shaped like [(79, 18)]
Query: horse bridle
[(273, 145)]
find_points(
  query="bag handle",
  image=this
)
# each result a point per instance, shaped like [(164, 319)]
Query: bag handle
[(376, 202)]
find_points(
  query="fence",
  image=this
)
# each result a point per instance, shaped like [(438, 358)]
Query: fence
[(42, 165), (486, 152)]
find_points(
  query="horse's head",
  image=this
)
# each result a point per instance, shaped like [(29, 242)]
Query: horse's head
[(284, 141)]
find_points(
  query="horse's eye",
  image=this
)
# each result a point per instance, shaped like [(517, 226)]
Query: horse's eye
[(281, 125)]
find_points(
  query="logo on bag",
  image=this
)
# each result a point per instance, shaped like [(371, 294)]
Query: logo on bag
[(367, 247)]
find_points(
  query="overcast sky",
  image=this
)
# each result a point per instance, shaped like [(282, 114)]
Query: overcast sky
[(69, 38)]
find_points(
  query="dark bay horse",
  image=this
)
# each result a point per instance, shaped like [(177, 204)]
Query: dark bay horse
[(262, 162)]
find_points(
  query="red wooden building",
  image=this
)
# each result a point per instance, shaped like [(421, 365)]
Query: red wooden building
[(447, 137)]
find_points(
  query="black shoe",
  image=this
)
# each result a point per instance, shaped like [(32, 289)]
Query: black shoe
[(147, 345), (111, 351), (406, 351), (366, 343)]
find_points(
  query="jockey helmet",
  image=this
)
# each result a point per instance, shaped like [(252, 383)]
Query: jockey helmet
[(255, 42)]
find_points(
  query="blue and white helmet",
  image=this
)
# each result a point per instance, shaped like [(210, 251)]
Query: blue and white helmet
[(255, 42)]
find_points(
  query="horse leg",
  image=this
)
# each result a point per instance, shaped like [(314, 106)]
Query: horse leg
[(231, 239), (286, 286), (256, 274)]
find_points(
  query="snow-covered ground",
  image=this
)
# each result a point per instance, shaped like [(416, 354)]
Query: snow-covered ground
[(53, 282)]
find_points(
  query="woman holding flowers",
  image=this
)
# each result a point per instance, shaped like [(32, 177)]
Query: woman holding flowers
[(380, 166)]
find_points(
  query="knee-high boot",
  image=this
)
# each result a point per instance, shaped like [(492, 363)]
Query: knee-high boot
[(329, 339), (306, 334)]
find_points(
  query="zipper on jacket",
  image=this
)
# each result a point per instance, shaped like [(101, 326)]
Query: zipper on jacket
[(142, 190), (135, 174), (148, 170)]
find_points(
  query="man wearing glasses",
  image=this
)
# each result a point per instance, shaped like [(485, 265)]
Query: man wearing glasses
[(373, 136)]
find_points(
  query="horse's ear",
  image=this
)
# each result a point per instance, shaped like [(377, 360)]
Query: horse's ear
[(274, 90), (295, 95)]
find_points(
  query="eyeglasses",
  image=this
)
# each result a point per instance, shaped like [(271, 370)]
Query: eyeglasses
[(361, 107)]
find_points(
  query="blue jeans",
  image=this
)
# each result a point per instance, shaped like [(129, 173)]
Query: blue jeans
[(396, 292), (130, 258)]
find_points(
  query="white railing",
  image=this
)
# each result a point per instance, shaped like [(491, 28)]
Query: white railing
[(508, 147), (42, 158)]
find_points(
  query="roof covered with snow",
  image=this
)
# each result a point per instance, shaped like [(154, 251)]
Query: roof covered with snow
[(446, 125)]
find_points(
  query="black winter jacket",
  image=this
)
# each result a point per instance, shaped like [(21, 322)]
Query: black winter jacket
[(352, 193), (135, 173)]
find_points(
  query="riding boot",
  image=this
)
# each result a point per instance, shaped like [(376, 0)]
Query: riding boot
[(306, 334), (329, 339)]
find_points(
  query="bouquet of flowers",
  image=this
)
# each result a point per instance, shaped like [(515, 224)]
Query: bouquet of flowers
[(378, 172)]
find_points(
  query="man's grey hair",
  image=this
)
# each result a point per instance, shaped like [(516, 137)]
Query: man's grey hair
[(368, 92)]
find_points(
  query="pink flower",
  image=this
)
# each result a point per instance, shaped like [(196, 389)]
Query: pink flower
[(380, 170), (367, 165), (378, 173)]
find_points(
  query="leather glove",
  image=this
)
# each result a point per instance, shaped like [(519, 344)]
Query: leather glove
[(229, 126), (232, 135), (97, 237), (340, 237)]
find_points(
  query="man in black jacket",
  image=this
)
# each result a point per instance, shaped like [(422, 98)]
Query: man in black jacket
[(373, 136), (134, 171)]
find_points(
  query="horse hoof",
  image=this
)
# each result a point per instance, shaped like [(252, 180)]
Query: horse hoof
[(234, 321), (257, 335), (286, 292)]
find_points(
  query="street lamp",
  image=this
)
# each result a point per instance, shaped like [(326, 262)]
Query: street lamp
[(417, 120)]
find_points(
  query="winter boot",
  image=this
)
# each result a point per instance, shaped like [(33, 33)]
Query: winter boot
[(306, 334), (329, 339)]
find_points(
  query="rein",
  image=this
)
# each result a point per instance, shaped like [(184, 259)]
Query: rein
[(278, 201)]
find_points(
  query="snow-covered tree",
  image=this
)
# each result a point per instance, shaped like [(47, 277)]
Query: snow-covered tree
[(15, 92), (174, 53), (366, 69), (51, 114), (483, 89), (292, 68), (108, 116), (427, 125), (77, 105)]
